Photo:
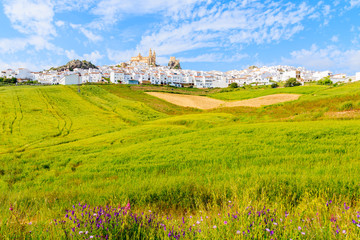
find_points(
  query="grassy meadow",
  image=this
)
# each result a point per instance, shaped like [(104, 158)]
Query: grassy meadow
[(71, 161)]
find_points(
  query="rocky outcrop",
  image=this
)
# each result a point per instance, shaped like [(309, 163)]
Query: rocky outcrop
[(174, 63), (75, 64)]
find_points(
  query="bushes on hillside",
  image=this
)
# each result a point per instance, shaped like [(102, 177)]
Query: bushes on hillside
[(346, 106), (233, 85), (325, 81), (8, 80), (274, 85), (291, 82)]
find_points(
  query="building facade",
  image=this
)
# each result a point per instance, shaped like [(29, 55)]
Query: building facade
[(150, 60)]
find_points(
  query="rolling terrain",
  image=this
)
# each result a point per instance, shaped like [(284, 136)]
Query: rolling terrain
[(109, 145)]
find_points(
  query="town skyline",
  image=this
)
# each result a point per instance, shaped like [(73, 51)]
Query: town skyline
[(145, 70), (203, 35)]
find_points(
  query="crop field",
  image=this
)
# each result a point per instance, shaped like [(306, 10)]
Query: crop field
[(240, 94), (112, 162)]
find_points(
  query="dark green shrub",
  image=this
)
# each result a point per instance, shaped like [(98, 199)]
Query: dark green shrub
[(274, 85), (346, 106), (233, 85)]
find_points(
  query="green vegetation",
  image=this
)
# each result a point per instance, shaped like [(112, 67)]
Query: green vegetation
[(325, 81), (233, 85), (8, 80), (241, 94), (111, 144), (292, 82), (274, 85)]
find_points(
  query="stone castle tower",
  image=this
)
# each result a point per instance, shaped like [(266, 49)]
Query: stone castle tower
[(174, 63)]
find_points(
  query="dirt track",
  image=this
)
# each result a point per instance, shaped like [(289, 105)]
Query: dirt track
[(209, 103)]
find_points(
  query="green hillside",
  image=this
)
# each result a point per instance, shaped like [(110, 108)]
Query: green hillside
[(109, 145)]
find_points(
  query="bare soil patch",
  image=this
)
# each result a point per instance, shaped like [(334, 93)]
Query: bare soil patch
[(209, 103), (345, 114)]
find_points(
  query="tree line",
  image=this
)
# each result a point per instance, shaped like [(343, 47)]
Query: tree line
[(12, 80)]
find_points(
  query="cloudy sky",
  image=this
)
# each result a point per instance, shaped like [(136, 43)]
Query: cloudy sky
[(203, 34)]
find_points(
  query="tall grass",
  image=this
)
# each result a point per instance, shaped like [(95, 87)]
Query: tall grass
[(109, 145)]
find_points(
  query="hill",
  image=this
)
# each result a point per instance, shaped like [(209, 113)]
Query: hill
[(110, 144), (75, 64)]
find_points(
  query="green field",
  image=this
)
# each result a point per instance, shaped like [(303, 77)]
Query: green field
[(241, 94), (109, 145)]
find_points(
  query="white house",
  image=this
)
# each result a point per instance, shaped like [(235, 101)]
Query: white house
[(9, 73), (70, 79), (220, 84), (95, 76), (339, 78), (85, 78), (117, 76), (319, 75), (357, 77), (24, 73)]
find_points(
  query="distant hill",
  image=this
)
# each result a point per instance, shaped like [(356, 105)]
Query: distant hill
[(75, 64)]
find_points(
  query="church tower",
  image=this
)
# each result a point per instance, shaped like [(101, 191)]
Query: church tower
[(154, 58), (150, 57)]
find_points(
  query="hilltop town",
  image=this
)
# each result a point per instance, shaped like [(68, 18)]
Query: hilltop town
[(144, 70)]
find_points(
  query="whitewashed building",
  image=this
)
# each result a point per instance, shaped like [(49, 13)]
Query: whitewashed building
[(70, 79), (117, 76), (23, 73), (95, 76)]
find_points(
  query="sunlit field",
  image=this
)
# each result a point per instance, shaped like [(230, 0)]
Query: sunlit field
[(112, 162)]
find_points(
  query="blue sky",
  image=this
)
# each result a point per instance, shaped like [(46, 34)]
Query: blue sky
[(203, 34)]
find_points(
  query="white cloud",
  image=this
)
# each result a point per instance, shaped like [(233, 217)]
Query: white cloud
[(92, 57), (8, 45), (331, 57), (354, 3), (214, 57), (29, 64), (12, 45), (110, 11), (335, 39), (59, 23), (88, 34), (71, 54), (71, 5), (233, 24), (120, 56), (33, 17)]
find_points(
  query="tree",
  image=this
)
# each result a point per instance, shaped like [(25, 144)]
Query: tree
[(291, 82), (233, 85), (325, 81), (274, 85)]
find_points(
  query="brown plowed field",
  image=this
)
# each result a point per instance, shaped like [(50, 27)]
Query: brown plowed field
[(209, 103)]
